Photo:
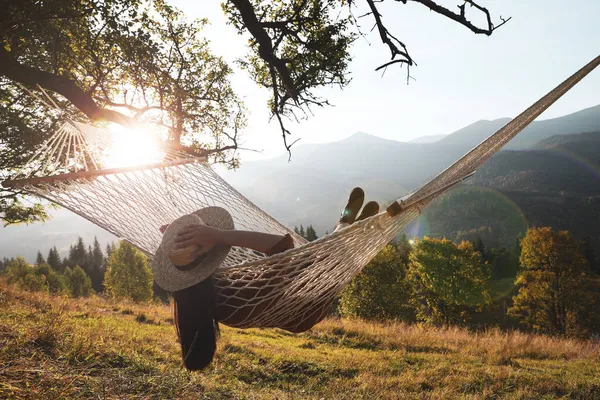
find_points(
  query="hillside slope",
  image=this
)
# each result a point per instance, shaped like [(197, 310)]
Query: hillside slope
[(59, 348), (556, 184)]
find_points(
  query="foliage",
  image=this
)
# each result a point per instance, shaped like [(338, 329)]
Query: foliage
[(130, 62), (39, 259), (54, 260), (554, 284), (310, 234), (448, 280), (78, 282), (128, 274), (21, 274), (381, 290)]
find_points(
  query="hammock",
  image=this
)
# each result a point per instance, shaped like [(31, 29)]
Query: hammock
[(292, 290)]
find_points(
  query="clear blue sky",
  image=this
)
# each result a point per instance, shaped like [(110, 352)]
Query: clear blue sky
[(461, 77)]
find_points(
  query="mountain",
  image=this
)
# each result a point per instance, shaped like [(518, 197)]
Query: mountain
[(61, 231), (587, 120), (556, 183), (428, 139), (313, 187)]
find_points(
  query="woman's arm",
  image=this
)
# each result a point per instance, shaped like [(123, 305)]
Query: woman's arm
[(205, 237)]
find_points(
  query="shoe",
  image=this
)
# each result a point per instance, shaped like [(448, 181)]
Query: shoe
[(355, 202), (371, 208)]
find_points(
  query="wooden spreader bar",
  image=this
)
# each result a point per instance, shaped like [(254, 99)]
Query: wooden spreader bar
[(399, 205), (16, 183)]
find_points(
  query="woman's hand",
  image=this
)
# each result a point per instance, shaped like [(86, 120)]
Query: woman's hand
[(202, 236)]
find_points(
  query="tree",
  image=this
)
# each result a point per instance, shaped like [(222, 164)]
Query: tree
[(588, 252), (109, 249), (123, 61), (54, 260), (381, 290), (96, 266), (39, 259), (78, 282), (298, 47), (55, 282), (311, 234), (78, 254), (22, 275), (449, 280), (128, 274), (554, 283), (132, 61), (504, 264)]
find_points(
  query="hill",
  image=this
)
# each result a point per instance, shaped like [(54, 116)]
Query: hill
[(555, 184), (92, 348)]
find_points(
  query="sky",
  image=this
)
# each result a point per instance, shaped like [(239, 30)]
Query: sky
[(460, 77)]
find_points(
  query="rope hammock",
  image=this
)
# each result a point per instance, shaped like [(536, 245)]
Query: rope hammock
[(292, 290)]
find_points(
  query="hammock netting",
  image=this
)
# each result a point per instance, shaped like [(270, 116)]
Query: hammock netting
[(292, 290)]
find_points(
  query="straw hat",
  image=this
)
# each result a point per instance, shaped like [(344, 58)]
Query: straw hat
[(174, 269)]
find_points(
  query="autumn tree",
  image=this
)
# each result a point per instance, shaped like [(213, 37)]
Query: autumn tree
[(556, 290), (128, 274), (449, 280)]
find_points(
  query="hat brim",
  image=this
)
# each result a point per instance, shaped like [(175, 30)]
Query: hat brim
[(171, 278)]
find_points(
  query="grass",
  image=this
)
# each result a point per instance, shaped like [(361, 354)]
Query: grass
[(53, 347)]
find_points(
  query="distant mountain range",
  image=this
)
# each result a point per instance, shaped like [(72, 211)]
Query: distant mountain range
[(313, 187)]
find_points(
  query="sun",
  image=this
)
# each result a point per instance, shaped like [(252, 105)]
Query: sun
[(132, 147)]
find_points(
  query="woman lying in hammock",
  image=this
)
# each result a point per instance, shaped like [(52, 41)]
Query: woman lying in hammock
[(198, 308)]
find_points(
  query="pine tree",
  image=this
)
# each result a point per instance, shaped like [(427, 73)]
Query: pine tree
[(78, 253), (39, 259), (109, 249), (311, 234), (302, 233), (96, 266), (54, 260)]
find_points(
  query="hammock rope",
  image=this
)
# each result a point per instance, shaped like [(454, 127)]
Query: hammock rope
[(292, 290)]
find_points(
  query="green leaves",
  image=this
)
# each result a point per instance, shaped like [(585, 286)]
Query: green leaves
[(448, 279), (128, 274)]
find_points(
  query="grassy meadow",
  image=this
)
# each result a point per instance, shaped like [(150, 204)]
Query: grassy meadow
[(55, 347)]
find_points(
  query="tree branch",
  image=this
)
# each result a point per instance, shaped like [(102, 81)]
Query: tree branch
[(12, 69), (391, 41), (461, 18), (265, 45)]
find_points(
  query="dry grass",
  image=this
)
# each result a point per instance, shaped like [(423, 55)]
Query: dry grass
[(53, 347)]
